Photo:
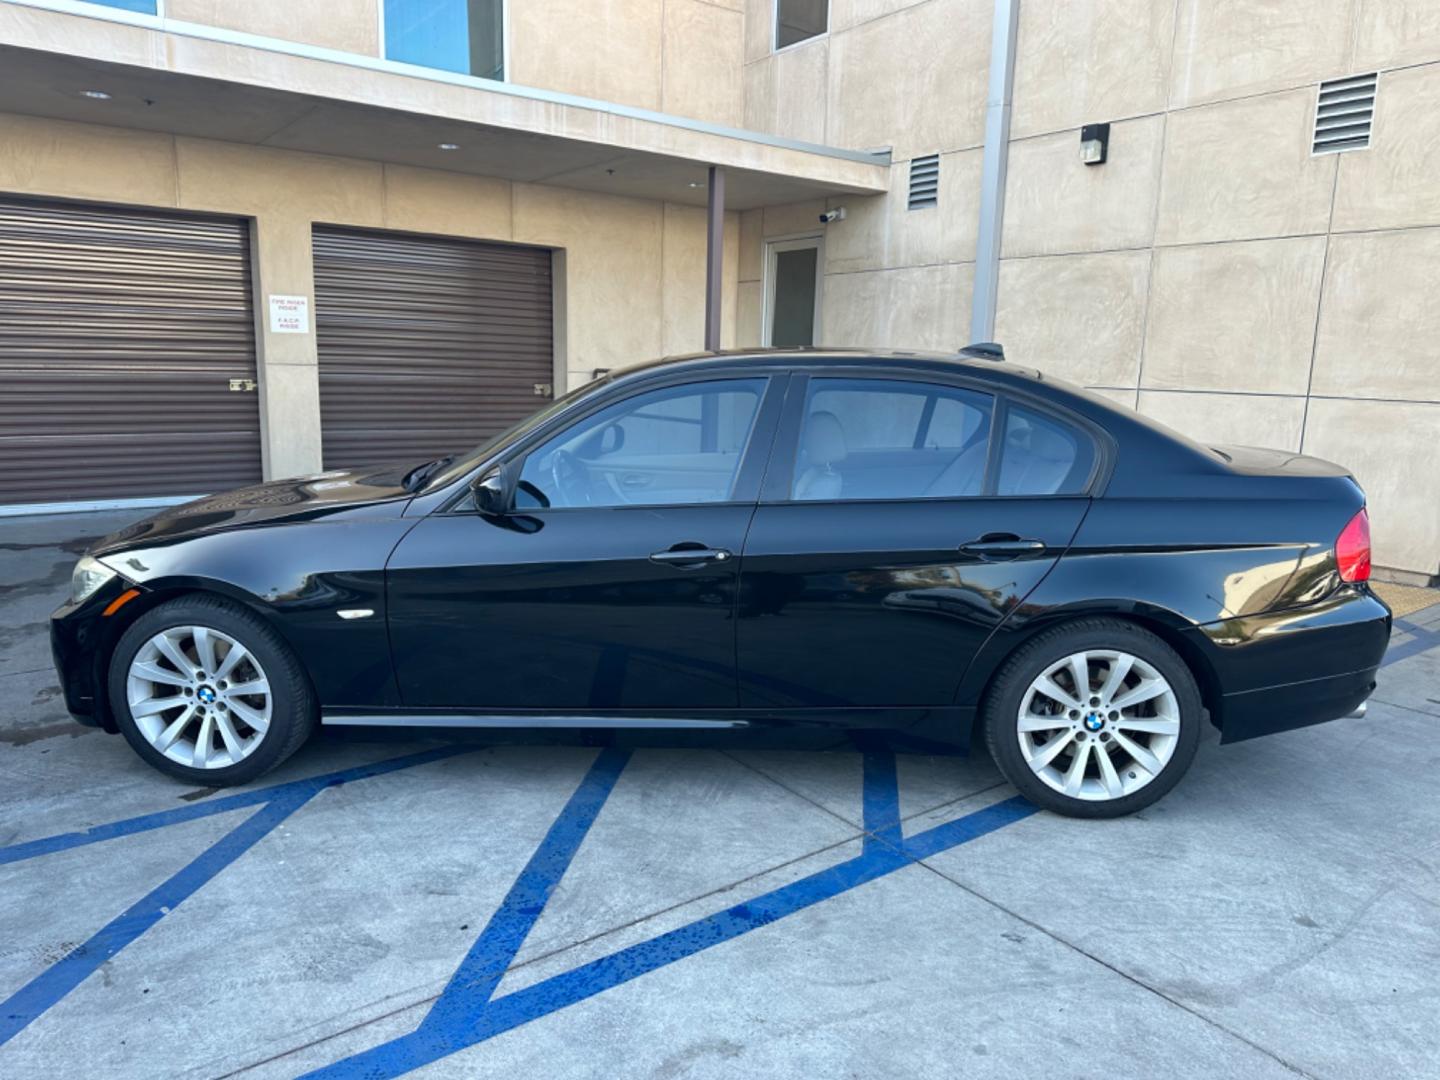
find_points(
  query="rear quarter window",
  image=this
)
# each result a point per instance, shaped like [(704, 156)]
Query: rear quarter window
[(1041, 455)]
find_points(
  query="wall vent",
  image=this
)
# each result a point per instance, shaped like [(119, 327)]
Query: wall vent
[(924, 181), (1343, 114)]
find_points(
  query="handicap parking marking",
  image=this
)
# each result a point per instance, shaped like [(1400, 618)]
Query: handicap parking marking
[(48, 845), (277, 803), (465, 1014)]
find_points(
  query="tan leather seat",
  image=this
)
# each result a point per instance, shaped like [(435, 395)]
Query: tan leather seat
[(824, 448)]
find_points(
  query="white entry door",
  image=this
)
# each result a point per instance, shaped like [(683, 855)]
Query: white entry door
[(794, 273)]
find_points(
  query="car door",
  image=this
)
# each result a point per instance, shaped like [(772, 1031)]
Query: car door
[(610, 585), (903, 518)]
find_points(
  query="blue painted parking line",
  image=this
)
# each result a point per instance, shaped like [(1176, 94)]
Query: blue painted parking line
[(145, 822), (453, 1026), (480, 972), (277, 803), (23, 1007)]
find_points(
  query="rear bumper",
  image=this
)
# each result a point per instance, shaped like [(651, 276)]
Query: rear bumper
[(1291, 669)]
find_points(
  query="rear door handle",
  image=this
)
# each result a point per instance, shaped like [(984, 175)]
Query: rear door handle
[(690, 556), (1002, 546)]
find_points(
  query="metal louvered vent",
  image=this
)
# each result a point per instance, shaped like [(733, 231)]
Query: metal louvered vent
[(924, 181), (1343, 114)]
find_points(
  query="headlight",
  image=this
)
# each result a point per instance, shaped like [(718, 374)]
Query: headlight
[(89, 575)]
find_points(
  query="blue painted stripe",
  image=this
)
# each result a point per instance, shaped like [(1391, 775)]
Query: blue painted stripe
[(474, 981), (428, 1044), (145, 822), (880, 803), (47, 988)]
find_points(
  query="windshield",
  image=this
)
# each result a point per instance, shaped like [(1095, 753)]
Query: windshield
[(464, 463)]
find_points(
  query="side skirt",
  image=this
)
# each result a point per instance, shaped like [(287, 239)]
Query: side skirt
[(950, 724)]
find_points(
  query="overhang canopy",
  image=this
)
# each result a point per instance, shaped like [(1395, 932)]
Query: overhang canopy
[(202, 81)]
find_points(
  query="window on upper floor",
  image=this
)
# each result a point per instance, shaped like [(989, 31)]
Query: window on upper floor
[(465, 36), (799, 20), (144, 7)]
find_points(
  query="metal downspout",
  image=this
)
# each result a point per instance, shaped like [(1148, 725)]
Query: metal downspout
[(992, 180)]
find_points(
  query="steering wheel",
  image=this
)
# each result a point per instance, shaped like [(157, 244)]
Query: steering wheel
[(571, 479)]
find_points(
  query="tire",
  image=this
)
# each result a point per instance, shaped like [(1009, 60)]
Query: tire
[(1165, 727), (282, 706)]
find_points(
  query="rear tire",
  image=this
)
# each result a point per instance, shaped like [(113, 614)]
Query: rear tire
[(1114, 747), (206, 691)]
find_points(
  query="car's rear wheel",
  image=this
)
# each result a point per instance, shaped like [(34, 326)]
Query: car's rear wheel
[(206, 691), (1097, 718)]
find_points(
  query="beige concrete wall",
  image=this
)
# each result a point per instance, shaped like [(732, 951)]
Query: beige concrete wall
[(676, 56), (634, 271), (1213, 273), (348, 25)]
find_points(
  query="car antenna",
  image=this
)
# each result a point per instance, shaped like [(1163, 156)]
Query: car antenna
[(984, 350)]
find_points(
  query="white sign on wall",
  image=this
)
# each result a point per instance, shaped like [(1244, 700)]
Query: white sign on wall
[(289, 314)]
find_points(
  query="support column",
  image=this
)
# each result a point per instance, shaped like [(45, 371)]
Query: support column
[(992, 179), (714, 257)]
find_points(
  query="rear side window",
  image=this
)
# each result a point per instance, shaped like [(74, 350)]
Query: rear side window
[(1043, 456), (891, 439)]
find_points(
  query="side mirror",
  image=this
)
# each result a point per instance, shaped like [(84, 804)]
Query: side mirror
[(491, 495)]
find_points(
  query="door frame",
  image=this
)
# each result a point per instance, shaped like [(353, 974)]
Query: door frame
[(791, 242)]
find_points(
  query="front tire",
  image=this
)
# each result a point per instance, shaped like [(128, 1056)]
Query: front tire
[(207, 692), (1094, 719)]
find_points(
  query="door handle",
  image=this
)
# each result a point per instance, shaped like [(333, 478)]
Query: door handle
[(690, 556), (635, 480), (1002, 546)]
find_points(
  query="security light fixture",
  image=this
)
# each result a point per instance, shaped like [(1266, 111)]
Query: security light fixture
[(449, 146), (1094, 143), (98, 95)]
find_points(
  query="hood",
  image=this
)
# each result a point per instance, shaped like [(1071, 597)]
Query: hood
[(304, 498)]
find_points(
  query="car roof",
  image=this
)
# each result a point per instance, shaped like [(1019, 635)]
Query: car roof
[(820, 357)]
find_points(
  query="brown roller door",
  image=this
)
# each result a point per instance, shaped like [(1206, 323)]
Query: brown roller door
[(427, 346), (120, 331)]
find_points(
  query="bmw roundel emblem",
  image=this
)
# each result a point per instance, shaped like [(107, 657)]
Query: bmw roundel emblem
[(1094, 721), (205, 694)]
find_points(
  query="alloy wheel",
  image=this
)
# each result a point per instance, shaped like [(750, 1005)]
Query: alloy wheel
[(1098, 725), (199, 697)]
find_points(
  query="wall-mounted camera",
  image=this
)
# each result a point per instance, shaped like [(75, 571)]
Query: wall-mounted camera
[(838, 214)]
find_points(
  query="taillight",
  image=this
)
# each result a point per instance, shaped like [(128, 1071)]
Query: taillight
[(1352, 549)]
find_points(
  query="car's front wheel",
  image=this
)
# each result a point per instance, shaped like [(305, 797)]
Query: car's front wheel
[(206, 691), (1096, 718)]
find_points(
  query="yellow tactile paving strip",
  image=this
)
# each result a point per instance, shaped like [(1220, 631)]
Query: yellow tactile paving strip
[(1405, 599)]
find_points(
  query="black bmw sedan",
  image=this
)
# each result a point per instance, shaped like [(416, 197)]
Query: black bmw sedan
[(949, 545)]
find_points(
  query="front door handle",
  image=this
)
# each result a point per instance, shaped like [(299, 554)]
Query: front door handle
[(682, 555), (1002, 546)]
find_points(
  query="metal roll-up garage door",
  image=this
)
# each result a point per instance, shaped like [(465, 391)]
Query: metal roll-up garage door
[(120, 331), (427, 346)]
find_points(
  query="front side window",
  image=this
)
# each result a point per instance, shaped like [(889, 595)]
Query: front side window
[(465, 36), (678, 445), (891, 439), (799, 20), (144, 7), (1043, 456)]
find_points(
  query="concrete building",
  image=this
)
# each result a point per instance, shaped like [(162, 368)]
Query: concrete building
[(409, 221)]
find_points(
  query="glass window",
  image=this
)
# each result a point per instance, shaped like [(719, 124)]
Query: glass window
[(144, 7), (667, 447), (891, 439), (466, 36), (796, 20), (792, 297), (1043, 456)]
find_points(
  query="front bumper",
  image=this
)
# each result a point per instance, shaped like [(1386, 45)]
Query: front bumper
[(80, 638), (1290, 669)]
